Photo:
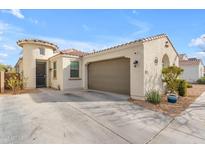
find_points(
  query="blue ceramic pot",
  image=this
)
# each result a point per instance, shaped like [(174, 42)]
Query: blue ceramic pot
[(172, 98)]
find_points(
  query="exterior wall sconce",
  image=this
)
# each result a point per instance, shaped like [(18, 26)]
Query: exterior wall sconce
[(156, 60), (135, 63), (166, 44)]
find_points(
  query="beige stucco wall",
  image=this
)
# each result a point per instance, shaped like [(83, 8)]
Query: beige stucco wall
[(152, 72), (146, 75), (134, 52), (68, 82), (63, 73), (192, 73), (57, 82), (31, 53)]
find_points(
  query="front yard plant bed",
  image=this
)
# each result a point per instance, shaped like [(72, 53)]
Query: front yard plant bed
[(23, 91), (173, 110)]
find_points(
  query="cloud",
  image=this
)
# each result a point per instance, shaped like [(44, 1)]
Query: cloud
[(33, 21), (15, 12), (141, 26), (9, 47), (197, 54), (3, 27), (198, 42), (7, 28), (200, 53), (3, 55), (9, 34), (81, 45)]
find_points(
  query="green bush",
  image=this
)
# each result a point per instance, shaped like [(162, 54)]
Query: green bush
[(189, 85), (182, 88), (201, 80), (170, 77), (153, 96)]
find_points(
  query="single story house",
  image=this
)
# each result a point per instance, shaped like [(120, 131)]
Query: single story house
[(131, 68), (193, 68)]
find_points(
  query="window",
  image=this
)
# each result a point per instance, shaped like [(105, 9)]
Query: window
[(74, 69), (42, 51), (54, 70), (54, 51)]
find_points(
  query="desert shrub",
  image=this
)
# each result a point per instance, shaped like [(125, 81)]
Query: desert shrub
[(201, 80), (170, 77), (189, 85), (153, 96), (13, 83), (182, 88)]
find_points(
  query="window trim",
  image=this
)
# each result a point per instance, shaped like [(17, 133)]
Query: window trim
[(75, 69)]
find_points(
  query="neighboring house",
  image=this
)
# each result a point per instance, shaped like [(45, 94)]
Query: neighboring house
[(204, 70), (131, 68), (193, 68)]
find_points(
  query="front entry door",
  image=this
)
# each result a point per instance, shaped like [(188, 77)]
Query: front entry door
[(40, 74)]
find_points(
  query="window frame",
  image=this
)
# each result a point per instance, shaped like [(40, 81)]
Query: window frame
[(55, 70), (42, 51), (75, 69)]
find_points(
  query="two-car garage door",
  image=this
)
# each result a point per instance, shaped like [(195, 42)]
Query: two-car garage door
[(110, 75)]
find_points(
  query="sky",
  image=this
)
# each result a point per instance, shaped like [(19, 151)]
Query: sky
[(89, 30)]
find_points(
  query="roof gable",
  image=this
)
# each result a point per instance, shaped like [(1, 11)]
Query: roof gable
[(73, 52)]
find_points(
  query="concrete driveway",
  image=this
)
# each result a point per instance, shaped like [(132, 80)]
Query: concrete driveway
[(87, 117)]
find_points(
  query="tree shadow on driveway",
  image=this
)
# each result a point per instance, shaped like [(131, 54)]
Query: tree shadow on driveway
[(53, 96)]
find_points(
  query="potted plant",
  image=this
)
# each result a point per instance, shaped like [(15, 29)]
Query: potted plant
[(172, 97), (170, 78)]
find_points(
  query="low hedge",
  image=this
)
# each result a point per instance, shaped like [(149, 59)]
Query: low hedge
[(201, 80)]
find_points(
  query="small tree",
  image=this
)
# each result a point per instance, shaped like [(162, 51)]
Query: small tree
[(170, 77)]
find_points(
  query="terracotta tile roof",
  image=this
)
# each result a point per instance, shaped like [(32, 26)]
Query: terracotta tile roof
[(73, 52), (190, 61), (142, 40), (36, 41)]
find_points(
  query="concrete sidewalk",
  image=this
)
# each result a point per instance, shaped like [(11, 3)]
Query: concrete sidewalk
[(189, 127)]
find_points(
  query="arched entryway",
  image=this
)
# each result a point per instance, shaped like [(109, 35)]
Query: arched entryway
[(165, 61)]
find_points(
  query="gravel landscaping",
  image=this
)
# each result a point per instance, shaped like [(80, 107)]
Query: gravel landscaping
[(174, 110)]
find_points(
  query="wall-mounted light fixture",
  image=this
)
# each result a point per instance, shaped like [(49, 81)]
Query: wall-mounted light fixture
[(156, 60), (166, 44), (135, 63)]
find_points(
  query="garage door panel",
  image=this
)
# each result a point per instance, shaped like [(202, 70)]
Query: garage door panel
[(110, 75)]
